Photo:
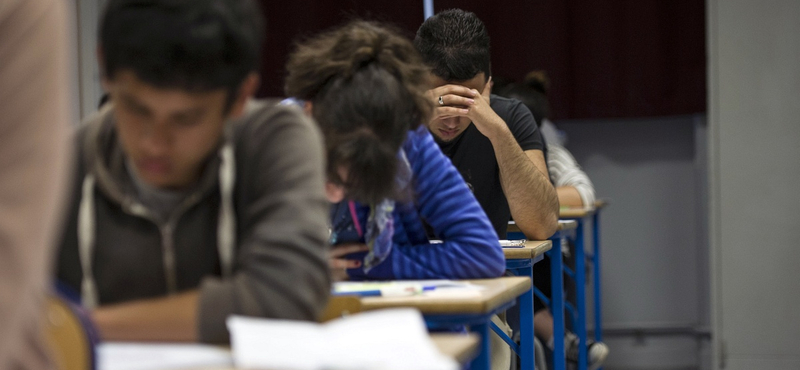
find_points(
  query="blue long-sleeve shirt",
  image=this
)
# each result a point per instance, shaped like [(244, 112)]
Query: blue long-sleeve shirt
[(469, 248)]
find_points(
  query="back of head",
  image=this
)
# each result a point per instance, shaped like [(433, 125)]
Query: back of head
[(455, 44), (532, 92), (193, 45), (367, 85)]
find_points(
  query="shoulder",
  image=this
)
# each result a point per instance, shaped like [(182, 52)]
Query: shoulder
[(265, 121), (518, 118), (508, 106), (421, 149), (417, 139)]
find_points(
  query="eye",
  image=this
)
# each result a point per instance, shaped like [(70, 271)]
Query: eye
[(187, 120)]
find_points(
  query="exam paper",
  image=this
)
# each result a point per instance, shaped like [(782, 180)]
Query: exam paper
[(392, 339), (156, 356)]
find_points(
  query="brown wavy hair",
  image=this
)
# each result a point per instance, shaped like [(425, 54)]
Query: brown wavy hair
[(367, 85)]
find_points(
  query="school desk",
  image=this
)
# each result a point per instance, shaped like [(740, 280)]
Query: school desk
[(474, 310)]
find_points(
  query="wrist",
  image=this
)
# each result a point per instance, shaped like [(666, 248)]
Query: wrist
[(496, 131)]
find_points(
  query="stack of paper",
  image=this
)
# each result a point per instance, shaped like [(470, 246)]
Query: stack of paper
[(394, 339)]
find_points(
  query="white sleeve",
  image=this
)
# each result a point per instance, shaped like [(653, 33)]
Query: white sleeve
[(565, 171)]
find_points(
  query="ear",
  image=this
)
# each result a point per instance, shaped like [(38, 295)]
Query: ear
[(308, 108), (246, 91)]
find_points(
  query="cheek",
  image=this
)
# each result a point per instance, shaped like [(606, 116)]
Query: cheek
[(195, 144), (129, 132), (334, 193)]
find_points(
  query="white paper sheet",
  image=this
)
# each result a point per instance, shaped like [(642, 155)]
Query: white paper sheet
[(156, 356), (394, 339)]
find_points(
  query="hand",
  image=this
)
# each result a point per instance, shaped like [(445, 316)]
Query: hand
[(340, 265), (460, 101), (457, 100)]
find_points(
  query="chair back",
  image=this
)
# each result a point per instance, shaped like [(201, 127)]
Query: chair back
[(70, 335), (339, 306)]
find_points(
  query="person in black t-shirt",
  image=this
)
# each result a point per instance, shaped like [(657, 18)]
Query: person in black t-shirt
[(493, 141)]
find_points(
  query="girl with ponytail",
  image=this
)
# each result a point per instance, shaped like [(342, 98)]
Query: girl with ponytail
[(364, 85)]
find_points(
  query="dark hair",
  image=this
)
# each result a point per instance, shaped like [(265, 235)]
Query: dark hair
[(194, 45), (455, 44), (532, 92), (367, 85)]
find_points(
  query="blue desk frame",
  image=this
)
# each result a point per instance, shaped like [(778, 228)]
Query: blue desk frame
[(580, 279), (525, 350)]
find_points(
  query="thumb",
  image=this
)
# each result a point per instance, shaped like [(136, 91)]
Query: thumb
[(487, 90)]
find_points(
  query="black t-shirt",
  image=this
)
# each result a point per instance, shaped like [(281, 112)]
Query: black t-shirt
[(473, 155)]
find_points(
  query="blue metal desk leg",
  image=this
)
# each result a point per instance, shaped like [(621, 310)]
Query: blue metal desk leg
[(598, 317), (557, 302), (483, 361), (580, 291), (526, 346)]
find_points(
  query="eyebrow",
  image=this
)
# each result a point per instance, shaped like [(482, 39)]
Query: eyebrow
[(130, 100), (188, 113)]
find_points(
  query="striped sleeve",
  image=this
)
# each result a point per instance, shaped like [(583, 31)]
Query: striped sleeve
[(565, 171), (470, 247)]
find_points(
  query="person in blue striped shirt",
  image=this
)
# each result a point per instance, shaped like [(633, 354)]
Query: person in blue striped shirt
[(365, 86)]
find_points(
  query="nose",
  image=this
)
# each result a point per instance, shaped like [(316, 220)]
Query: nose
[(450, 122), (156, 140)]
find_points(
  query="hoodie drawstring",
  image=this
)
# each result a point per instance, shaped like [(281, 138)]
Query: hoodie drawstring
[(226, 226)]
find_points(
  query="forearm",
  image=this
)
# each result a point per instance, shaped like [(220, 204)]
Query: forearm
[(169, 319), (567, 174), (531, 197), (568, 196)]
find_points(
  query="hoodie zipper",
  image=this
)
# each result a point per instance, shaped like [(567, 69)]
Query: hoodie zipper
[(167, 231)]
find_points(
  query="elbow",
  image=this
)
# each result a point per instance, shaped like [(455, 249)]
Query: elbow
[(544, 230)]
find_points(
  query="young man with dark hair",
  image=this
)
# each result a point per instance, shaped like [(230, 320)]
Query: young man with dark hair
[(493, 141), (192, 201)]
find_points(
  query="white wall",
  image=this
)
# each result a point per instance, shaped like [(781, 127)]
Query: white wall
[(89, 89), (754, 107), (655, 276)]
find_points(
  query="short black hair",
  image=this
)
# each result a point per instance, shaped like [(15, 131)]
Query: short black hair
[(455, 45), (193, 45), (367, 85)]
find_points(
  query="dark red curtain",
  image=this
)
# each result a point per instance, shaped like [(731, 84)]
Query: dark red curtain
[(621, 58)]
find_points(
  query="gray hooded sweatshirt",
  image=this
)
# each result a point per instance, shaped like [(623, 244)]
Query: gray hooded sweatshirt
[(250, 235)]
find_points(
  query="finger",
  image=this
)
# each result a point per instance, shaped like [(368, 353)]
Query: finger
[(454, 90), (345, 249), (451, 111), (338, 263), (457, 100)]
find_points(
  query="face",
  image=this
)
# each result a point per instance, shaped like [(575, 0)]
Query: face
[(167, 134), (336, 192), (447, 128)]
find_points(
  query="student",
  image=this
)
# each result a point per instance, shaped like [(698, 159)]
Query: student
[(193, 202), (574, 189), (365, 86), (492, 141), (34, 163)]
